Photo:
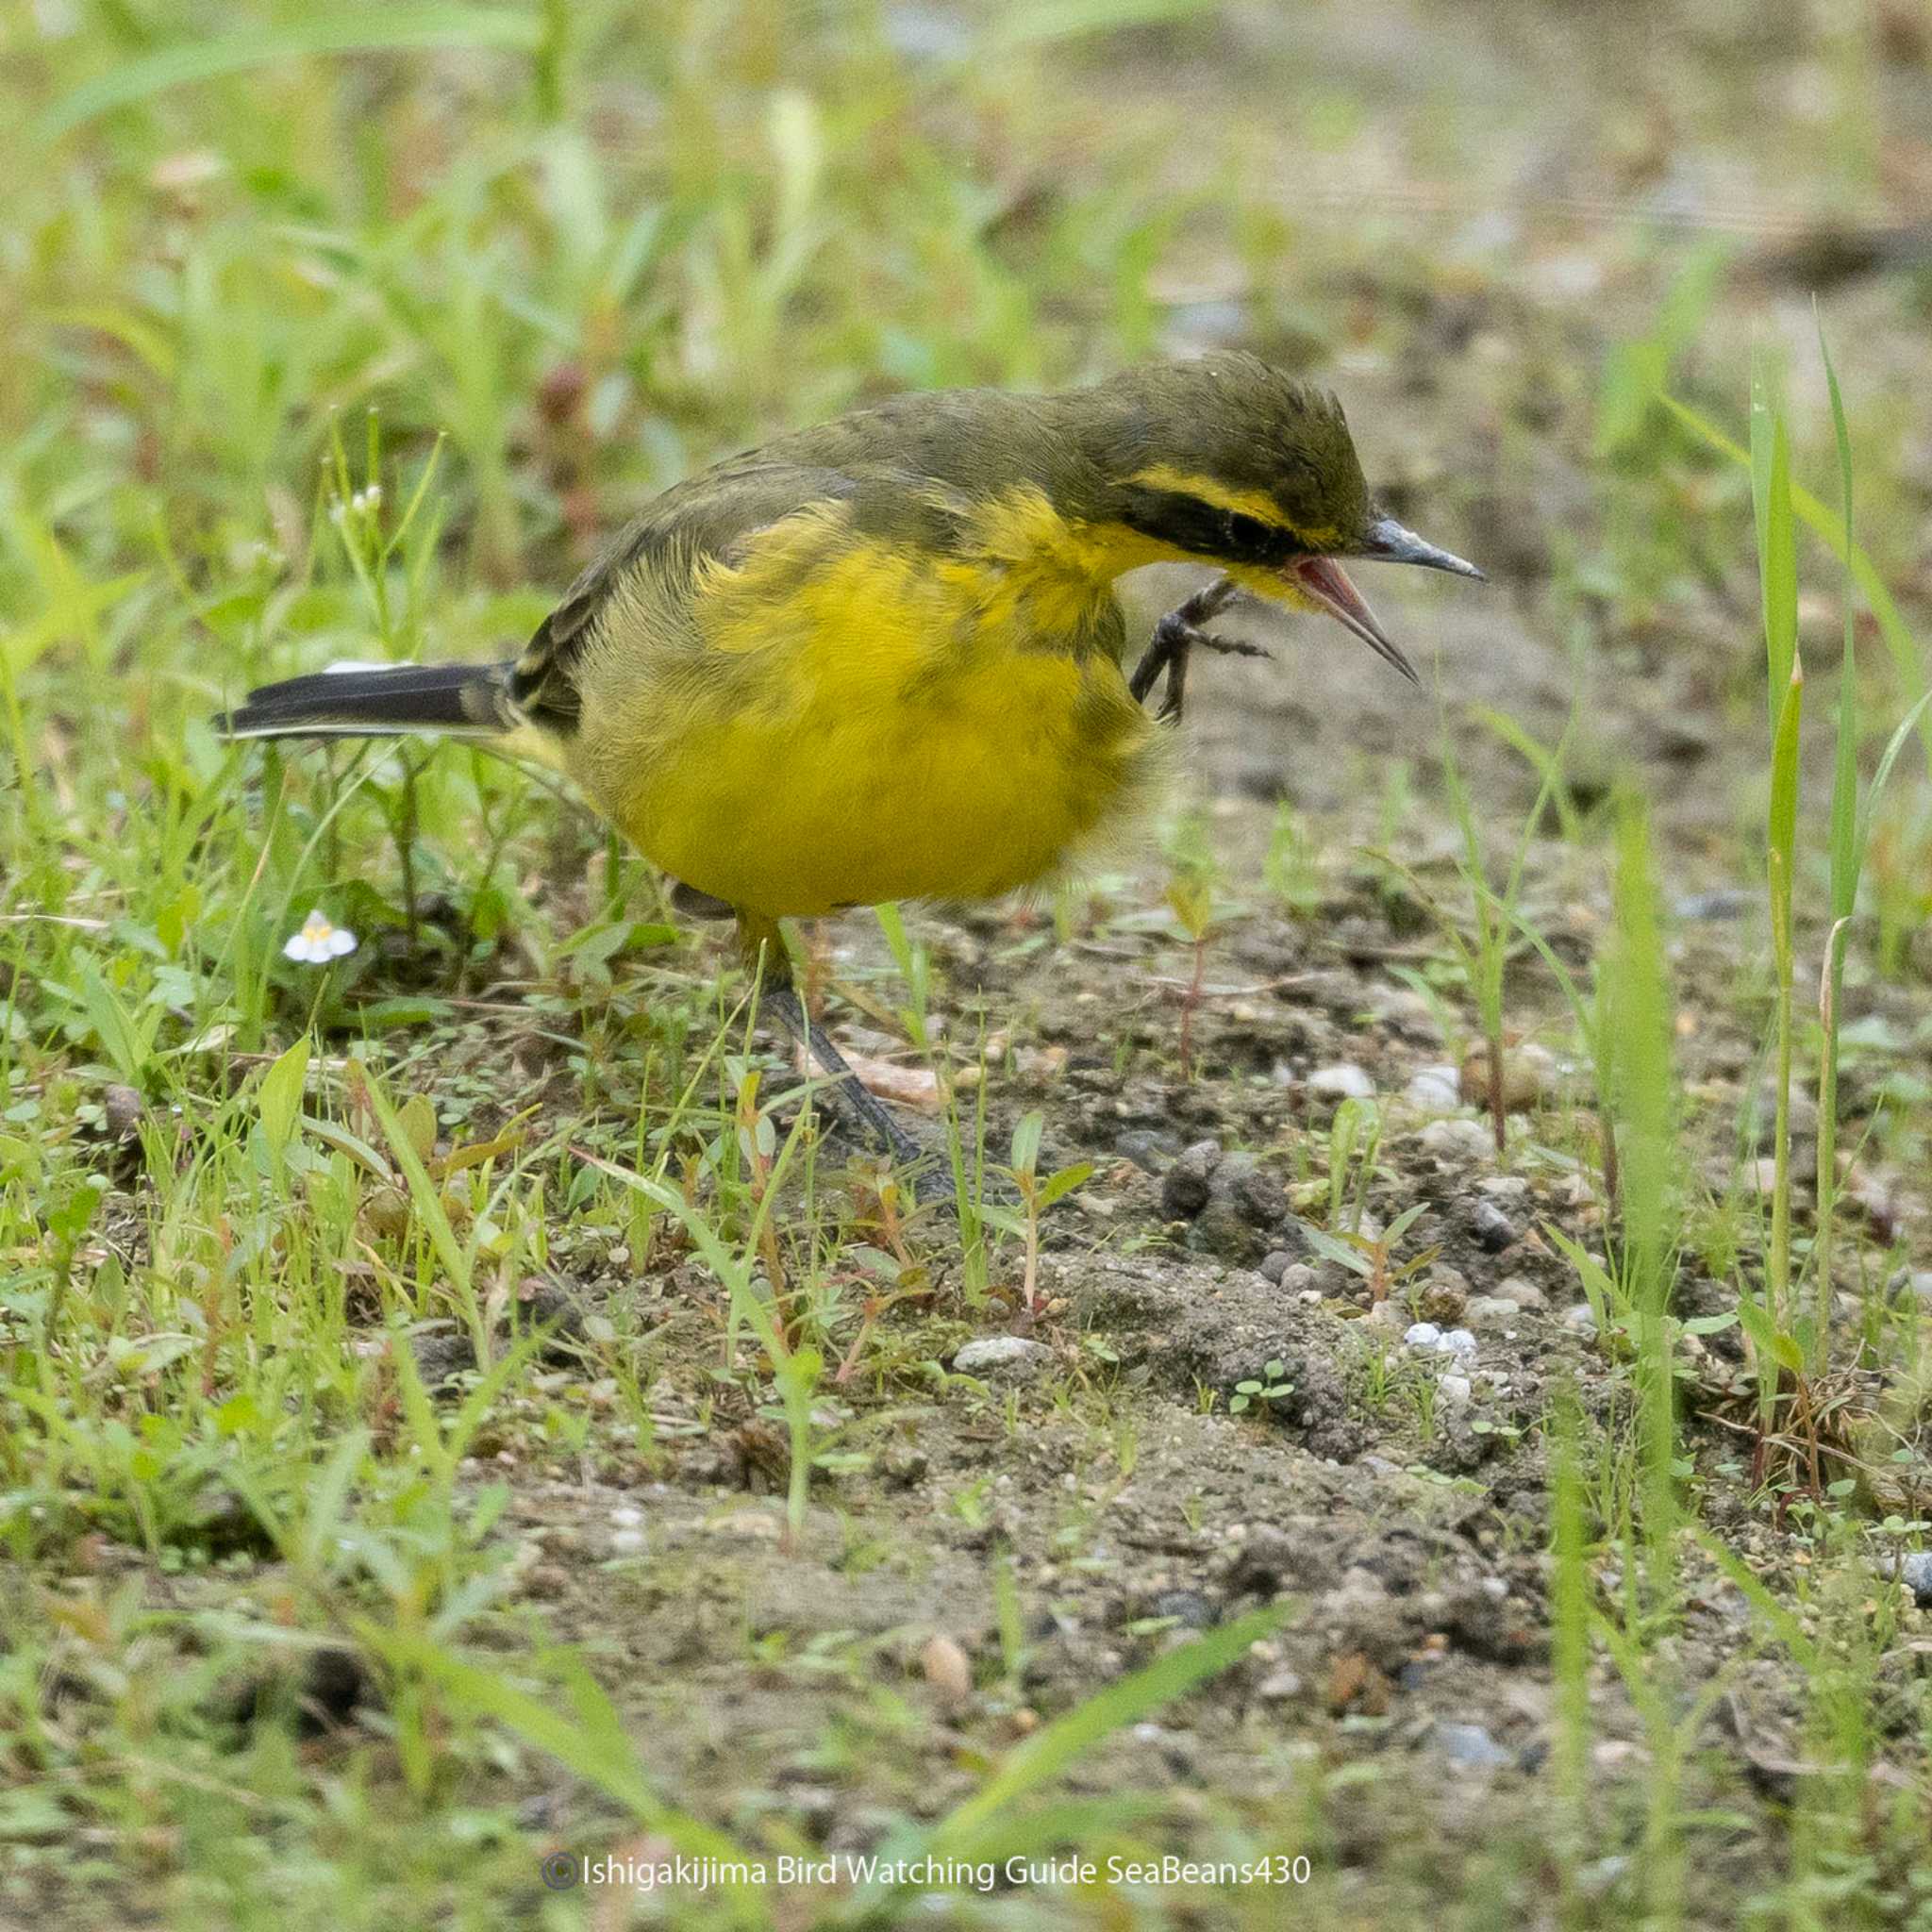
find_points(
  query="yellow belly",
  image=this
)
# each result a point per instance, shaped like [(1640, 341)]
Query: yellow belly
[(881, 731)]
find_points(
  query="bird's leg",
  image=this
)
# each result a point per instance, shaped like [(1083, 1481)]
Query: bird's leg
[(847, 1092), (1177, 635), (765, 952)]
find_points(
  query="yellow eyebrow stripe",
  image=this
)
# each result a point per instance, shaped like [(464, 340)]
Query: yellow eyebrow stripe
[(1246, 503)]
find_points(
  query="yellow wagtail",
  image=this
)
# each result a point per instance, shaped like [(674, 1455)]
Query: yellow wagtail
[(883, 658)]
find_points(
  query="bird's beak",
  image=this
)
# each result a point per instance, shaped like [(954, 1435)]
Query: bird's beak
[(1386, 542), (1389, 543), (1323, 579)]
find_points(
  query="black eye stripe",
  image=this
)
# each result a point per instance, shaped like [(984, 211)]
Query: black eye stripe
[(1207, 529)]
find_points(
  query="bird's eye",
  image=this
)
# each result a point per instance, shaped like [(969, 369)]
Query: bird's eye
[(1248, 539)]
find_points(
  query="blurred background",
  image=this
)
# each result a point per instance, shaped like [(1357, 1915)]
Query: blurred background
[(595, 246)]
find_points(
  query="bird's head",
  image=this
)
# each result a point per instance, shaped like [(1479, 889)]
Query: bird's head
[(1228, 461)]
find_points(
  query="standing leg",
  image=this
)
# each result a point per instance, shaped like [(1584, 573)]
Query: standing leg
[(766, 955)]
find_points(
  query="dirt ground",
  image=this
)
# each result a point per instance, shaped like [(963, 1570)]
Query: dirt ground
[(1398, 1496)]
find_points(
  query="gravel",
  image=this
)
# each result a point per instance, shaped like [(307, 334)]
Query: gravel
[(1345, 1081), (1434, 1090), (1469, 1747), (1001, 1355), (1457, 1140), (1492, 1228)]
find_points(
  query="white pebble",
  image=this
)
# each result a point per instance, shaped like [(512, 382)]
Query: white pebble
[(1344, 1082), (1459, 1140), (1434, 1090)]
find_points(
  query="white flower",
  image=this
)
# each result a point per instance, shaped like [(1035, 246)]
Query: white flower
[(319, 942)]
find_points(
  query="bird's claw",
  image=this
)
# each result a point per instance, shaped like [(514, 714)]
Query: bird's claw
[(1176, 636)]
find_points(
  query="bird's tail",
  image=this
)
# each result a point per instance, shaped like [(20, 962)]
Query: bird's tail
[(379, 700)]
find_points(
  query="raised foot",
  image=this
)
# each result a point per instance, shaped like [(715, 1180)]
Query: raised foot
[(1177, 636)]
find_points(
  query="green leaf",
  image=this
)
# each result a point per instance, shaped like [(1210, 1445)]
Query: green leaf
[(1403, 1222), (1027, 1143), (1847, 854), (1711, 1324), (1782, 825), (425, 1201), (1331, 1248), (1777, 567), (1064, 1182), (279, 1097), (1883, 773), (122, 1040)]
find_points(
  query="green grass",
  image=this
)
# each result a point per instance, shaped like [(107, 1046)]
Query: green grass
[(353, 336)]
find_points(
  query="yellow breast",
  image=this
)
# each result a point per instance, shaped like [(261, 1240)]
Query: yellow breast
[(849, 721)]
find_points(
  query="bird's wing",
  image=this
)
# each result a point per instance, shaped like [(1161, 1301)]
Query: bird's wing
[(710, 515)]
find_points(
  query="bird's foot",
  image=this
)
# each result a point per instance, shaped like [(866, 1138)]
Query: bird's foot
[(1179, 633)]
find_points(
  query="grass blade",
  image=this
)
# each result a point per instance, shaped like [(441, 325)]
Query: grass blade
[(363, 31), (1847, 862), (1892, 627), (1067, 1739)]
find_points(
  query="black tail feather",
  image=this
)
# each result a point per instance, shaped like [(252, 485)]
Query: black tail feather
[(372, 701)]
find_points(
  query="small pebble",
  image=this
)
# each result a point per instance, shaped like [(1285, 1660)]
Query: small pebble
[(997, 1355), (1457, 1140), (1299, 1278), (1278, 1686), (1434, 1090), (1915, 1573), (122, 1108), (1459, 1342), (1145, 1150), (1915, 1282), (1582, 1319), (1345, 1081), (1188, 1607), (947, 1669), (1454, 1390), (1274, 1264), (1727, 902), (1423, 1335), (1491, 1307), (1185, 1191), (1492, 1228), (1523, 1292), (1469, 1747), (1528, 1074)]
